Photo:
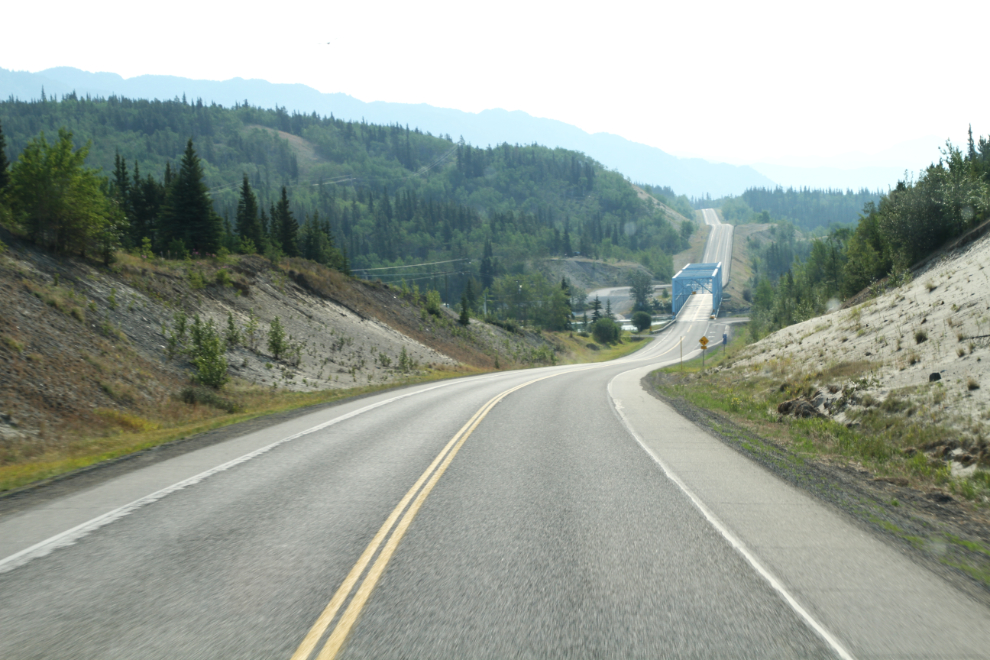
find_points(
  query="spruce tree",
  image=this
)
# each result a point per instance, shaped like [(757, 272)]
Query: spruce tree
[(464, 318), (469, 296), (596, 309), (121, 192), (266, 231), (4, 164), (487, 266), (286, 226), (189, 216), (248, 223), (147, 198)]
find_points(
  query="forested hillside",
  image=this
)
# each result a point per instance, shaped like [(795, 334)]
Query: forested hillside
[(904, 227), (320, 187), (809, 210)]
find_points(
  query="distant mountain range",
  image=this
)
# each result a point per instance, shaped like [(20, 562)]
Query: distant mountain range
[(640, 163)]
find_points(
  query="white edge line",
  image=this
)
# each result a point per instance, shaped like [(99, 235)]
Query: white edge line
[(72, 535), (733, 540)]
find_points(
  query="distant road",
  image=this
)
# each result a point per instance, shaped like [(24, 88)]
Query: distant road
[(552, 512), (717, 249), (719, 245)]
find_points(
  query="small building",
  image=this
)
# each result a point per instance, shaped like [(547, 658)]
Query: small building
[(697, 278)]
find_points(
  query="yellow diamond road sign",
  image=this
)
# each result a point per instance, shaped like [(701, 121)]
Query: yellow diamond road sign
[(704, 341)]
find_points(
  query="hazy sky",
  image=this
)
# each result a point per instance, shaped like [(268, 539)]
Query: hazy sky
[(728, 81)]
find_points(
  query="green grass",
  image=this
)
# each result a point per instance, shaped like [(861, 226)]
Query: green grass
[(577, 346)]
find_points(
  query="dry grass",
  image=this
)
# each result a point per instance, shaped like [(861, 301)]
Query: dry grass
[(85, 377), (117, 433)]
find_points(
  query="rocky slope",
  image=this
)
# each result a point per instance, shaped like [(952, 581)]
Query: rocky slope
[(82, 346), (916, 350)]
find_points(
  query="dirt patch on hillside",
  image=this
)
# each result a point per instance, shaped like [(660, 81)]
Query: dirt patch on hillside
[(744, 237), (305, 151), (589, 274), (671, 214)]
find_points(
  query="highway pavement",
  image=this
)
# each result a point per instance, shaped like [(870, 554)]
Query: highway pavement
[(719, 245), (559, 512)]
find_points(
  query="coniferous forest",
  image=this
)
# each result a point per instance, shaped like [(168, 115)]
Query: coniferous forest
[(794, 283), (810, 210), (182, 177)]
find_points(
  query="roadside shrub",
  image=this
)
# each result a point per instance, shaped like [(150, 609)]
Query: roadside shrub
[(509, 326), (222, 278), (407, 363), (920, 336), (232, 335), (606, 331), (208, 354), (175, 339), (433, 302), (251, 332), (642, 321), (12, 344), (207, 397), (196, 279), (177, 249), (277, 342)]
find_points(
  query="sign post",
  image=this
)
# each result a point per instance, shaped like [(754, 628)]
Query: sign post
[(704, 344)]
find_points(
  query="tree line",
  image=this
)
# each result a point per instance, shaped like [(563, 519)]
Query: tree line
[(811, 210), (379, 196), (903, 227), (60, 203)]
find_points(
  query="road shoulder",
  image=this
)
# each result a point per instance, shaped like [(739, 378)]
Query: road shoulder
[(849, 580)]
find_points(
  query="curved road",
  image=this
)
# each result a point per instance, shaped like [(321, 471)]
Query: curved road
[(555, 512)]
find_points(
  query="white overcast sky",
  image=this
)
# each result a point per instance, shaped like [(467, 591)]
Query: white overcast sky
[(738, 82)]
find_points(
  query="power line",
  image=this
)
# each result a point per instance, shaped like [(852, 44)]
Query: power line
[(431, 263)]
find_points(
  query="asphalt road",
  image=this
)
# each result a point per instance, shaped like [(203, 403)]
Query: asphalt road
[(555, 512), (719, 245)]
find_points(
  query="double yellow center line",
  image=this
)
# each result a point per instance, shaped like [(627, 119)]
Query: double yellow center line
[(420, 492)]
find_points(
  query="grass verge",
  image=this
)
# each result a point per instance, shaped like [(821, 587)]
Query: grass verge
[(188, 415), (873, 468), (579, 349), (132, 433)]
